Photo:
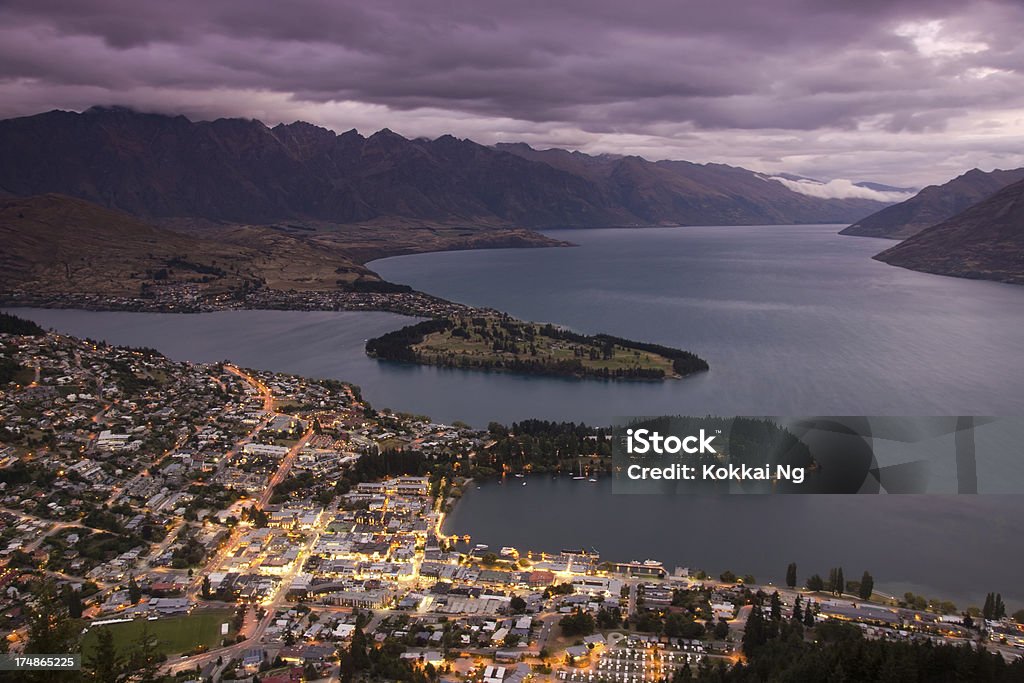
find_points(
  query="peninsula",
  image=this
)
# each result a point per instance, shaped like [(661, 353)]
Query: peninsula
[(498, 342)]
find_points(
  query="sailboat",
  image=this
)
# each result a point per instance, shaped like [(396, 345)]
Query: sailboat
[(580, 477)]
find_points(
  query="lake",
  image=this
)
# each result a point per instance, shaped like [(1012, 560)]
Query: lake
[(954, 547), (794, 320)]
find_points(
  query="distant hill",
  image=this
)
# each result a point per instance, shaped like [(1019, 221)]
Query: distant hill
[(165, 169), (685, 193), (933, 205), (57, 244), (984, 242)]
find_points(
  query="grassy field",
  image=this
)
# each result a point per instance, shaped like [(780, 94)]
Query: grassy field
[(175, 635), (526, 341)]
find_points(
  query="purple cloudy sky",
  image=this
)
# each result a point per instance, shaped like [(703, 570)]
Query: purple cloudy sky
[(901, 91)]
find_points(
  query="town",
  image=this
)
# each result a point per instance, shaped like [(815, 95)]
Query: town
[(212, 522), (194, 298)]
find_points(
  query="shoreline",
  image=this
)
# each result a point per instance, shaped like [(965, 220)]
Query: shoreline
[(887, 594)]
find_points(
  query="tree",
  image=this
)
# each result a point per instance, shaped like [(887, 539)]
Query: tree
[(815, 583), (840, 586), (104, 665), (134, 592), (679, 626), (144, 659), (578, 623), (727, 577), (867, 586), (755, 635), (73, 600), (798, 612), (206, 588), (994, 607), (357, 651), (517, 605), (776, 607), (809, 615), (683, 674), (49, 629), (1018, 616), (721, 630), (609, 617), (791, 575)]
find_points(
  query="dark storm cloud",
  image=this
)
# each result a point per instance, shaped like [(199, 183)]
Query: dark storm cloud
[(620, 76)]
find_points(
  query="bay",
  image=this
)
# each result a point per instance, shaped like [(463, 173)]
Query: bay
[(793, 319)]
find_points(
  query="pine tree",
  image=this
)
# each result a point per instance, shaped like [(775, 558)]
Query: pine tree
[(867, 586), (776, 607), (144, 659), (989, 609), (809, 615), (798, 612), (357, 651), (73, 599), (683, 674), (840, 582), (791, 575), (755, 635), (49, 629), (134, 592), (104, 665)]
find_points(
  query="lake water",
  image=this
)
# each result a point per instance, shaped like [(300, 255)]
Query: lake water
[(956, 548), (794, 320)]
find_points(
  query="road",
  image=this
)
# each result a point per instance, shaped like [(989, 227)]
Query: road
[(285, 466), (268, 395)]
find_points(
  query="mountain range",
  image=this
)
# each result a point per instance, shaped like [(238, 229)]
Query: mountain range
[(685, 193), (934, 204), (168, 168), (985, 241), (297, 206)]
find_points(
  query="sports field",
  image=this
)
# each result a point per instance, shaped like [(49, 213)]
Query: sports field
[(175, 635)]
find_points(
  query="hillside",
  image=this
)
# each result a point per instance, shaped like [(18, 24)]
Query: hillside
[(984, 242), (933, 204), (167, 169), (56, 244), (685, 193)]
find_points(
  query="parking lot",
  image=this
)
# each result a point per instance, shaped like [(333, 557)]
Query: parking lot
[(633, 664)]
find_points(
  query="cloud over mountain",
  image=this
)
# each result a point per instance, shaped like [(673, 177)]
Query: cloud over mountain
[(904, 91), (841, 188)]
